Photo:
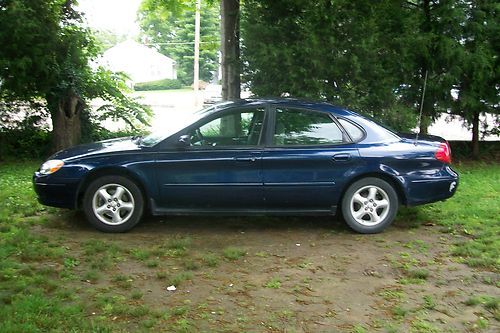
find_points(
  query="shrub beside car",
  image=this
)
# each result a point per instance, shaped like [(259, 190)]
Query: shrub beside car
[(165, 84)]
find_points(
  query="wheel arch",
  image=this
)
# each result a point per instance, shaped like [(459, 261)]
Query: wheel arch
[(392, 180), (109, 171)]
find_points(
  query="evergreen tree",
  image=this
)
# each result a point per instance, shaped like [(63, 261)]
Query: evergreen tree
[(369, 55), (478, 88), (345, 52), (432, 46)]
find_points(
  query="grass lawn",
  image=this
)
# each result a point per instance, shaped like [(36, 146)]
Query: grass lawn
[(474, 212), (55, 279)]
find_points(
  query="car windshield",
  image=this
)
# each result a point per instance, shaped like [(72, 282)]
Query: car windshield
[(175, 126)]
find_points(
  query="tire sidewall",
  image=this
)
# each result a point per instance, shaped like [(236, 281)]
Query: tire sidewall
[(393, 208), (120, 180)]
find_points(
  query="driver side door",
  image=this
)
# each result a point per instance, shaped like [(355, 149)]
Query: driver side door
[(221, 168)]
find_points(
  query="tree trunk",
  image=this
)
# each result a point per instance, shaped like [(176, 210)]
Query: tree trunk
[(66, 123), (424, 125), (475, 135), (426, 120), (427, 106), (230, 49)]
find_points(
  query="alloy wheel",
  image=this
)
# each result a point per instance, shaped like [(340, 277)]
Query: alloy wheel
[(113, 204), (370, 205)]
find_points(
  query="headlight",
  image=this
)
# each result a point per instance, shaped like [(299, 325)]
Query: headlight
[(51, 166)]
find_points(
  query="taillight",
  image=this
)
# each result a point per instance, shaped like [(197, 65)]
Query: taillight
[(443, 153)]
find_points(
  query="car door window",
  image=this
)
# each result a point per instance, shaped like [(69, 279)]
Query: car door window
[(303, 127), (237, 128)]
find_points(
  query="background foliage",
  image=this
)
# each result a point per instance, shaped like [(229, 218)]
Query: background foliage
[(170, 26), (46, 57), (373, 55), (370, 56), (25, 130)]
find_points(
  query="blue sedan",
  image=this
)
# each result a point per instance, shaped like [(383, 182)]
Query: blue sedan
[(263, 156)]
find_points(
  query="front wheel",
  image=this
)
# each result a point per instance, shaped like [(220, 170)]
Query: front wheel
[(113, 204), (370, 205)]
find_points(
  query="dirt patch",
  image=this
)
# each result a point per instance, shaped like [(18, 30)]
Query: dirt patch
[(297, 275)]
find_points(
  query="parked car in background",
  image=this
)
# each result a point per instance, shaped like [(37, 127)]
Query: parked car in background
[(212, 94), (261, 156)]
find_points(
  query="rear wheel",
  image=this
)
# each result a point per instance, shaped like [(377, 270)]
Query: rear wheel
[(370, 205), (113, 204)]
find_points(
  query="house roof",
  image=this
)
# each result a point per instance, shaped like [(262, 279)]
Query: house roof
[(139, 62), (135, 52)]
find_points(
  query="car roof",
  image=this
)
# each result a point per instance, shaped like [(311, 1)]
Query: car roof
[(290, 102)]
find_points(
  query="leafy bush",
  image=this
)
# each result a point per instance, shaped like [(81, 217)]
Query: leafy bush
[(92, 130), (25, 131), (24, 143), (164, 84), (489, 150), (36, 143)]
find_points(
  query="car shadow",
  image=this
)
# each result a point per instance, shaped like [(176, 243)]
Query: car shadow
[(243, 223), (74, 221)]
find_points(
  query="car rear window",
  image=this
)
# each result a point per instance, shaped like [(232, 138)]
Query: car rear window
[(302, 127), (354, 131)]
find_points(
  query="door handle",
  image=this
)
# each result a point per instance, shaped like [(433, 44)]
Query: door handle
[(342, 157), (245, 159)]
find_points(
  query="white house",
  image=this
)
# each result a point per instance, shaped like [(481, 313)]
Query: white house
[(141, 63)]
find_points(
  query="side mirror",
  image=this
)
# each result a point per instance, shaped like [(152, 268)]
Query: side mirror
[(184, 141)]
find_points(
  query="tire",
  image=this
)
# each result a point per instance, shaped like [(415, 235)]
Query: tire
[(113, 204), (370, 205)]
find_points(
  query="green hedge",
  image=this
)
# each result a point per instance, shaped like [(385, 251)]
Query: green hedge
[(24, 143), (488, 150), (164, 84)]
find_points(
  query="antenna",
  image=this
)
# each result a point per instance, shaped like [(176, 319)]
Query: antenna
[(421, 107)]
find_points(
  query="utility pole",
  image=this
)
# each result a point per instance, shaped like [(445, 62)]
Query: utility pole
[(196, 79)]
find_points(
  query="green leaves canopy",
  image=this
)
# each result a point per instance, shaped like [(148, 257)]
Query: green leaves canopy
[(47, 53)]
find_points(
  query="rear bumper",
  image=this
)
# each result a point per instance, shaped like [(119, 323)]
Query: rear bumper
[(437, 188), (61, 194)]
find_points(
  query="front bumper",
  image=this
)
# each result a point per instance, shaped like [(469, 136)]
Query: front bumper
[(61, 193)]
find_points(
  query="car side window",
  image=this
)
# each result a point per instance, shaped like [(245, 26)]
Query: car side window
[(354, 131), (303, 127), (237, 128)]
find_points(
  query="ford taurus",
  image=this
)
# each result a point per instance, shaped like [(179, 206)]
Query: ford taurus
[(267, 156)]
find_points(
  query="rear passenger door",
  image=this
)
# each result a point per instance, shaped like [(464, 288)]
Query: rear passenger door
[(306, 161)]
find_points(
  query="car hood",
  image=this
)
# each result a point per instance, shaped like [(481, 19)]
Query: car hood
[(101, 147)]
